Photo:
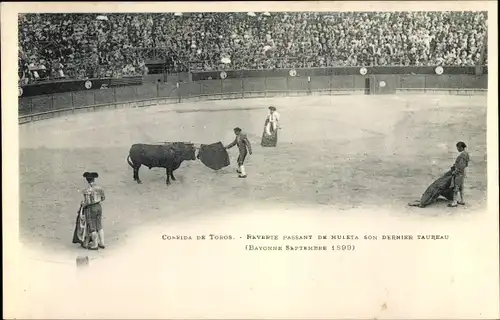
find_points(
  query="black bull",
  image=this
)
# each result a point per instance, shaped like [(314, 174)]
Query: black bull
[(169, 156)]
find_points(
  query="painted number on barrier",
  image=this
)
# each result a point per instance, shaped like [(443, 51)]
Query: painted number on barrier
[(363, 71), (88, 84), (292, 73), (223, 75), (439, 70), (382, 84), (20, 92)]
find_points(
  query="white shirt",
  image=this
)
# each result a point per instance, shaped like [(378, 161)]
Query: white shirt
[(93, 194), (273, 117)]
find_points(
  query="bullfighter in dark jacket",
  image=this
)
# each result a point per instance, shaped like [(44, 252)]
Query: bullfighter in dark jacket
[(243, 144)]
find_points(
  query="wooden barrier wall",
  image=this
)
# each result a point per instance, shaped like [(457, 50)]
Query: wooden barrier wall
[(246, 87)]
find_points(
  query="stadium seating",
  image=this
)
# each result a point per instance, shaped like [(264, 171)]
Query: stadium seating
[(88, 45)]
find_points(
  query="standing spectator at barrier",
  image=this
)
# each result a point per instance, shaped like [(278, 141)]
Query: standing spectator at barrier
[(57, 66), (243, 144)]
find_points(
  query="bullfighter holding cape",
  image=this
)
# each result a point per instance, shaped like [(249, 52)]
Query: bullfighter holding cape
[(450, 185), (458, 169), (244, 145), (88, 229), (271, 126)]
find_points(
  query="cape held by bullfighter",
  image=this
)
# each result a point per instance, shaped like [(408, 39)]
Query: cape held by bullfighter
[(439, 188), (169, 156), (450, 185), (214, 155)]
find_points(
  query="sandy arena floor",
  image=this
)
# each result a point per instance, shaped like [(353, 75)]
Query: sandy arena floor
[(343, 152)]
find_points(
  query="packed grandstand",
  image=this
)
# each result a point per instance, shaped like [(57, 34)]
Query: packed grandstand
[(115, 45)]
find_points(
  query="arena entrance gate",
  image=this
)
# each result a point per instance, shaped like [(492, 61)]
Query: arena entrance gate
[(367, 85)]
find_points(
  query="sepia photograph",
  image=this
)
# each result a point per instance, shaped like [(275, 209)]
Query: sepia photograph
[(250, 160)]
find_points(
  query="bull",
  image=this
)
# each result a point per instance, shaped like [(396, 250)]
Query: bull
[(169, 156)]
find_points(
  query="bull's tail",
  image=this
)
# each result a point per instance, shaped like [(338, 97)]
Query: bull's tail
[(130, 162)]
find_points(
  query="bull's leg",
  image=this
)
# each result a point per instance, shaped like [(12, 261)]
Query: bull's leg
[(170, 173), (136, 173), (168, 176)]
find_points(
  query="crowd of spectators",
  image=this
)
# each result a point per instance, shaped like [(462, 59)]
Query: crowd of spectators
[(115, 45)]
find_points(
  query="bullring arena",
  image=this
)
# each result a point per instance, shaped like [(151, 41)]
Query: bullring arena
[(343, 152)]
